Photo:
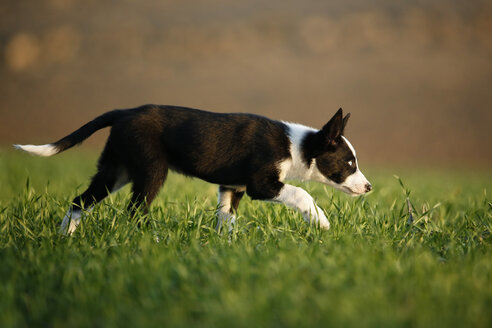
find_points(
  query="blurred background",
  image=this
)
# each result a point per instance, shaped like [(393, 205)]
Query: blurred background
[(416, 75)]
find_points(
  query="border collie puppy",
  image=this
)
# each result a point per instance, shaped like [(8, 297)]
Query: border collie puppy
[(239, 152)]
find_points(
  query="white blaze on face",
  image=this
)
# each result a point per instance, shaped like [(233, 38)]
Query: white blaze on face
[(356, 183)]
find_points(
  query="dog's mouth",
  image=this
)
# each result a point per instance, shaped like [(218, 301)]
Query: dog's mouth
[(352, 192)]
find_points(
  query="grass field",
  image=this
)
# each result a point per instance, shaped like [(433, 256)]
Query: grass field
[(372, 269)]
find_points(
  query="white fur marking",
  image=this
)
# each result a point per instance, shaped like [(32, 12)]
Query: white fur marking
[(223, 212), (41, 150), (300, 199), (295, 167), (225, 199), (71, 220), (351, 149), (354, 184)]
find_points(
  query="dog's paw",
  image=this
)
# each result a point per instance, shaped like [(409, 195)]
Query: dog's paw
[(322, 219), (225, 221), (318, 217)]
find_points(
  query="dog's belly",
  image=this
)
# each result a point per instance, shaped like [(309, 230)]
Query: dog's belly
[(235, 180), (236, 187)]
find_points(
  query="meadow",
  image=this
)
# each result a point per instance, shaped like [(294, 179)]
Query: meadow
[(374, 268)]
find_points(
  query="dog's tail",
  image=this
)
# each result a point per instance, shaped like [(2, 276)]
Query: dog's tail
[(76, 137)]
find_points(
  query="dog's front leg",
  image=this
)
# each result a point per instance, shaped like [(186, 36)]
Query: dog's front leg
[(300, 199), (229, 198), (225, 214)]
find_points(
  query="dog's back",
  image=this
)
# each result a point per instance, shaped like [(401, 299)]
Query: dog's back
[(218, 148)]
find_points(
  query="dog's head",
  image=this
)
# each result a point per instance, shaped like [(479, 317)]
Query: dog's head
[(335, 158)]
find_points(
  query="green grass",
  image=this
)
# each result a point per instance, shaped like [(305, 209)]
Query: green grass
[(371, 269)]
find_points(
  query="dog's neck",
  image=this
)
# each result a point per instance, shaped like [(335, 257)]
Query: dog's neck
[(297, 167)]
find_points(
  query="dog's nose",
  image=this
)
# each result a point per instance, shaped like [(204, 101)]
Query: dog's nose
[(368, 187)]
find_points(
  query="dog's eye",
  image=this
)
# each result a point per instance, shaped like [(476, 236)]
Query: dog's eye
[(350, 163)]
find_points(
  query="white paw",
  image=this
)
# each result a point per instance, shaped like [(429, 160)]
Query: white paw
[(64, 225), (322, 219), (316, 215), (74, 223), (71, 220), (226, 219)]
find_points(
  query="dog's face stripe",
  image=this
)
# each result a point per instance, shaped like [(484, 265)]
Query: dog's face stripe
[(351, 149), (355, 183)]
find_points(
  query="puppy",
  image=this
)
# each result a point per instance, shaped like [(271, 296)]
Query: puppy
[(239, 152)]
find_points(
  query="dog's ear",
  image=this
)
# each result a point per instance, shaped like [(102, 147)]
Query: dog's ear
[(345, 120), (333, 129)]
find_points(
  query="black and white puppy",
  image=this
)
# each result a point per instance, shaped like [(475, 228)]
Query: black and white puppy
[(239, 152)]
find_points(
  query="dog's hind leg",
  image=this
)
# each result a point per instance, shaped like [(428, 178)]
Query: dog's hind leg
[(101, 185), (147, 181), (228, 202)]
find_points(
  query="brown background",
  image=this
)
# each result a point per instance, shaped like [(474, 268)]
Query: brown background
[(416, 76)]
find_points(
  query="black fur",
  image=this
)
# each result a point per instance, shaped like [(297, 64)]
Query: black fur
[(225, 149), (334, 164)]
